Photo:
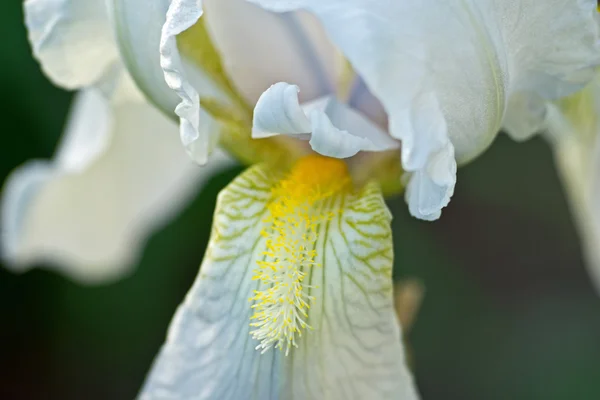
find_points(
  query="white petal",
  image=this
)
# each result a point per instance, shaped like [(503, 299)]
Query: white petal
[(198, 132), (182, 15), (574, 130), (174, 80), (334, 129), (138, 30), (260, 48), (471, 55), (354, 350), (425, 132), (430, 189), (72, 39), (525, 115), (120, 174), (348, 119), (278, 112), (329, 141), (87, 134)]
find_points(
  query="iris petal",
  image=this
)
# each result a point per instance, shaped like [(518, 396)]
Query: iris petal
[(72, 39), (119, 173), (573, 127), (353, 349), (334, 129)]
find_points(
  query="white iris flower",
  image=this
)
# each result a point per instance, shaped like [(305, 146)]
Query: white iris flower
[(421, 83), (294, 296)]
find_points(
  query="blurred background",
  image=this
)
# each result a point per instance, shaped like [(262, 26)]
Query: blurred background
[(509, 311)]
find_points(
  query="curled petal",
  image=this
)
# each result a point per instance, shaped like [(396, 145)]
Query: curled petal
[(182, 15), (429, 189), (278, 112), (334, 129), (330, 141)]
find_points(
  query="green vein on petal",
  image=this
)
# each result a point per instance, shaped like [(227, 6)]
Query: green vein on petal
[(354, 348)]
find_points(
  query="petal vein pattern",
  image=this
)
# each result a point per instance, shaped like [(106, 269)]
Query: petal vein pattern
[(342, 259)]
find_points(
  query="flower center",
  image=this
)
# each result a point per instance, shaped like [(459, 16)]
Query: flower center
[(297, 209)]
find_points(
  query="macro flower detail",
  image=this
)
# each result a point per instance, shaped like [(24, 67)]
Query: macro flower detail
[(301, 202), (331, 104), (314, 256)]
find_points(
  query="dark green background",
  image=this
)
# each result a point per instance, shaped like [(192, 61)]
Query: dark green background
[(509, 311)]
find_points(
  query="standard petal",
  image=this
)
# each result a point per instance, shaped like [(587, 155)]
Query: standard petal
[(260, 48), (72, 39), (187, 79), (470, 55), (334, 129), (354, 349), (119, 174)]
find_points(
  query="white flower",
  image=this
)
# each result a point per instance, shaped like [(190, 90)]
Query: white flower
[(300, 257), (448, 74), (119, 172), (573, 128), (294, 296), (326, 77)]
